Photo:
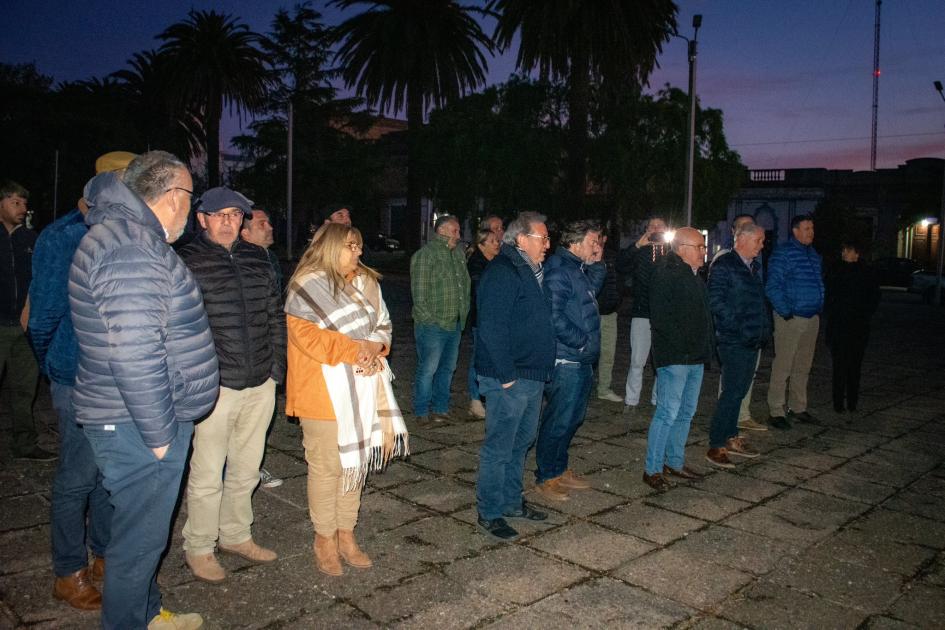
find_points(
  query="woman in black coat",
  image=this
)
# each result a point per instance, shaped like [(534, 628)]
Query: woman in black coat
[(485, 249), (852, 298)]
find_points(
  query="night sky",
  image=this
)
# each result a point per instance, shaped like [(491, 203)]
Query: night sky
[(794, 79)]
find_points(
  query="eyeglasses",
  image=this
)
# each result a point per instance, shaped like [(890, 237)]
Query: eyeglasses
[(539, 236), (700, 247), (189, 192), (355, 247), (226, 216)]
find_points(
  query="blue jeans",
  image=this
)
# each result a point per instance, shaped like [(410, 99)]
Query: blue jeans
[(77, 486), (563, 414), (471, 377), (676, 402), (143, 492), (511, 424), (437, 351), (738, 370)]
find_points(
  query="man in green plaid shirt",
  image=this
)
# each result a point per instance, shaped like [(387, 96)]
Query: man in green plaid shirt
[(439, 284)]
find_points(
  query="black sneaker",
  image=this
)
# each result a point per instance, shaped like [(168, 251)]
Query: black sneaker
[(804, 417), (528, 513), (37, 455), (779, 422), (498, 529)]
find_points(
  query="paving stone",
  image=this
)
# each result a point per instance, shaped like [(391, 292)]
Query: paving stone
[(804, 458), (443, 495), (514, 574), (903, 528), (581, 503), (29, 595), (524, 527), (888, 623), (25, 549), (447, 461), (872, 552), (672, 573), (591, 546), (922, 605), (777, 472), (28, 510), (340, 615), (714, 623), (936, 571), (930, 484), (648, 522), (766, 521), (845, 487), (707, 506), (918, 503), (818, 508), (619, 481), (838, 581), (435, 539), (601, 453), (398, 472), (600, 603), (739, 486), (767, 605), (735, 548)]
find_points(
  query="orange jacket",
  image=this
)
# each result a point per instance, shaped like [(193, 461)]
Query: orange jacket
[(306, 395)]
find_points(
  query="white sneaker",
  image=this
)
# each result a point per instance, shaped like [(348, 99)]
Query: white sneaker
[(609, 395), (267, 480), (477, 409)]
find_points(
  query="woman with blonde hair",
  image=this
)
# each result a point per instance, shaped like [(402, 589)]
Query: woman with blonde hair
[(339, 385)]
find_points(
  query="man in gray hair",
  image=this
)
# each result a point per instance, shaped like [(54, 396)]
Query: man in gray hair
[(439, 284), (515, 355)]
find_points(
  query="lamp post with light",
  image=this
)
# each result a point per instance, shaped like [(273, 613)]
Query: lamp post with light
[(690, 157), (937, 294)]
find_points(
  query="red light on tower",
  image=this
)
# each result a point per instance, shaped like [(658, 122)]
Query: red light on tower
[(876, 73)]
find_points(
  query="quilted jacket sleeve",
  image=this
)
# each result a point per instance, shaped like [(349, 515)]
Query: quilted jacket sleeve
[(567, 332)]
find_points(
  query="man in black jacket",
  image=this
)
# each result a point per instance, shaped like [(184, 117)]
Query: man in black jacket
[(742, 327), (682, 345), (244, 306), (608, 301), (17, 363)]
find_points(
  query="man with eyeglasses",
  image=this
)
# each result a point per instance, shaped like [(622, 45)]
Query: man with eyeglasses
[(244, 306), (147, 369), (682, 346), (439, 285)]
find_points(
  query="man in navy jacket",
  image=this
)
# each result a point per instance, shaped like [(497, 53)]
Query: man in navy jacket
[(515, 354), (573, 278), (795, 288)]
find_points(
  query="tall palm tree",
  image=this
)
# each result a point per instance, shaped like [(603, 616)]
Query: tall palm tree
[(584, 42), (412, 54), (213, 61)]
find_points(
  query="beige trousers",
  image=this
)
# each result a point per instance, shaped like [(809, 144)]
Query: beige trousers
[(794, 343), (234, 436), (608, 346), (329, 507)]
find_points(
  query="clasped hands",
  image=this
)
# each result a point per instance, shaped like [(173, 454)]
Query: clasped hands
[(369, 361)]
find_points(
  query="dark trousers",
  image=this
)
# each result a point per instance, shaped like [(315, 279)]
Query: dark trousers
[(20, 376), (847, 352), (563, 415), (738, 369), (143, 493)]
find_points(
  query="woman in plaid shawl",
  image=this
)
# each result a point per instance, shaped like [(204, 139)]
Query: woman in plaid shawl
[(339, 385)]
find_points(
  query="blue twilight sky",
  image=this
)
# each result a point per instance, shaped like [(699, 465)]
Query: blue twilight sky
[(794, 79)]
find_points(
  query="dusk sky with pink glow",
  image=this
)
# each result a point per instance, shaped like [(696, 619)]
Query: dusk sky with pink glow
[(794, 79)]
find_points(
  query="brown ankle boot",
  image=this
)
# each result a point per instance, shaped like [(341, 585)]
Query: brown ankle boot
[(350, 552), (97, 572), (326, 555), (77, 591)]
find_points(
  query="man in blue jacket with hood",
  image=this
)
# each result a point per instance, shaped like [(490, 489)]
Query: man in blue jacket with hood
[(147, 370), (574, 276), (795, 288)]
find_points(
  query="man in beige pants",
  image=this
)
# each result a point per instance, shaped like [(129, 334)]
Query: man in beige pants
[(244, 306)]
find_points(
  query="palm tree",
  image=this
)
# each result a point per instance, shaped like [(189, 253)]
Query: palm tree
[(411, 54), (212, 61), (584, 42)]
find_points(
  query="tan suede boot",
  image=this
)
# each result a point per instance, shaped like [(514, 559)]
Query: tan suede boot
[(350, 552), (326, 555)]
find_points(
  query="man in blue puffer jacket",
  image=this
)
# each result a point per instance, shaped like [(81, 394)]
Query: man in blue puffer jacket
[(573, 276), (147, 370), (795, 288)]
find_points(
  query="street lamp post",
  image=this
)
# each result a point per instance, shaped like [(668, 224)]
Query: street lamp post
[(690, 157), (937, 294)]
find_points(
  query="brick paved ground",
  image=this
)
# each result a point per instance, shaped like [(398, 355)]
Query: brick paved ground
[(840, 525)]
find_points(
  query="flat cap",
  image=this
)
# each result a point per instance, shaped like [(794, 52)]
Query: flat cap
[(220, 198)]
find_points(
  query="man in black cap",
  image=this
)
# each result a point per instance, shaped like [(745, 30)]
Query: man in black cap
[(244, 306)]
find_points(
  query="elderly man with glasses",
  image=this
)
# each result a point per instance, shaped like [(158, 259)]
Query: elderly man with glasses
[(682, 345), (244, 306)]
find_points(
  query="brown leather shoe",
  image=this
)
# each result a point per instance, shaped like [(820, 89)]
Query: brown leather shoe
[(572, 481), (327, 559), (738, 446), (552, 490), (658, 482), (350, 552), (683, 473), (77, 591), (249, 550), (98, 569), (719, 457)]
